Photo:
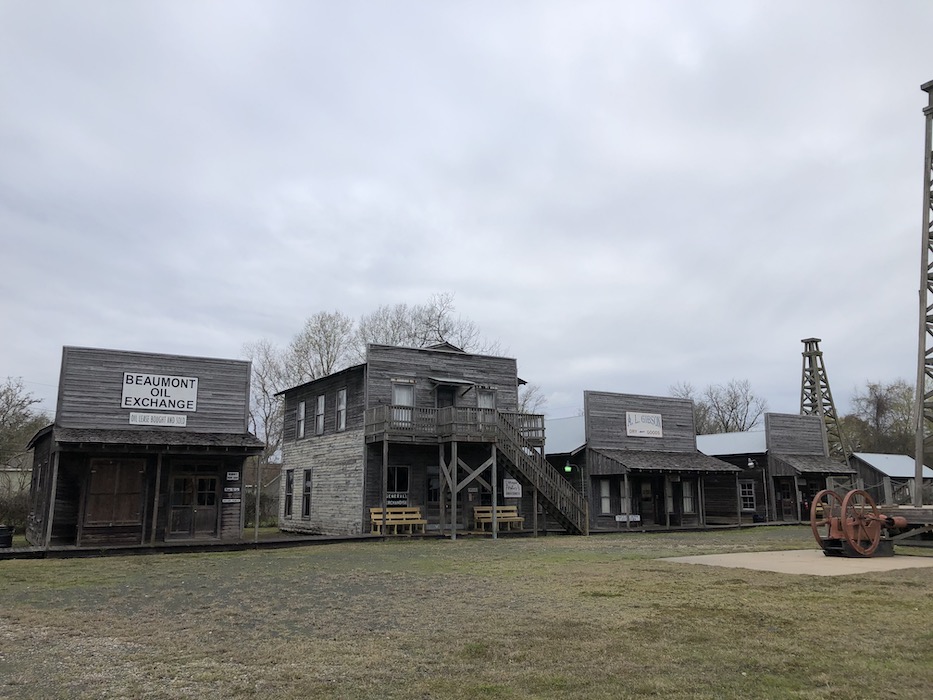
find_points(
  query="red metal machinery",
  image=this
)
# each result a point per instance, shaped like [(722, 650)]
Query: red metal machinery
[(852, 526)]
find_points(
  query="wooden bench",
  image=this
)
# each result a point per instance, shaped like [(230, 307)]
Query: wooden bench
[(407, 518), (505, 515)]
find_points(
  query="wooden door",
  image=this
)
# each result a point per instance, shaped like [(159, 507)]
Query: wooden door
[(193, 511)]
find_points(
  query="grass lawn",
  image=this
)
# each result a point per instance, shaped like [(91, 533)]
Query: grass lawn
[(554, 617)]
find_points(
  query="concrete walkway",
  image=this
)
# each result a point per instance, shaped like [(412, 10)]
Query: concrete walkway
[(811, 562)]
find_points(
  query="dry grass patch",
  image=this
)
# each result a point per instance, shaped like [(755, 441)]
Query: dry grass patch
[(555, 617)]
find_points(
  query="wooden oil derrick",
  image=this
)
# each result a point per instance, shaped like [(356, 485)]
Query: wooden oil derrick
[(817, 399), (923, 409)]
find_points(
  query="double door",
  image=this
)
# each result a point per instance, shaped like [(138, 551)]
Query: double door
[(193, 511)]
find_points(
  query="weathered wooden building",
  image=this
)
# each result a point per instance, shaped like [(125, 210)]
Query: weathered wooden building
[(434, 429), (145, 448), (890, 479), (637, 457), (783, 466)]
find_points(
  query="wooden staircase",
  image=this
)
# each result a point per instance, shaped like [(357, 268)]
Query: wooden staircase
[(559, 498)]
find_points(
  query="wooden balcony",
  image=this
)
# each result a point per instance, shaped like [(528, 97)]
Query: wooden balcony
[(433, 425)]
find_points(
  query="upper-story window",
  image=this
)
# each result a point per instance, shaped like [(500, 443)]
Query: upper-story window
[(319, 416), (342, 409), (403, 401), (300, 422)]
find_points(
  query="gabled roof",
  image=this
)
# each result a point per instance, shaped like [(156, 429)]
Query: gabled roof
[(898, 466), (564, 435), (723, 444)]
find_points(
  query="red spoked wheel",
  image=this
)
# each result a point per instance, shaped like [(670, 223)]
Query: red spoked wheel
[(861, 522), (826, 505)]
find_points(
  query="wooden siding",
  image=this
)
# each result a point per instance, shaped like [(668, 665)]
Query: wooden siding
[(386, 363), (91, 388), (605, 422), (792, 434), (336, 464), (352, 380)]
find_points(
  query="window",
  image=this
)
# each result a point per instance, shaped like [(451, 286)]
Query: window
[(319, 416), (605, 501), (306, 496), (300, 425), (625, 492), (486, 399), (403, 399), (689, 501), (289, 491), (342, 409), (747, 494), (398, 480)]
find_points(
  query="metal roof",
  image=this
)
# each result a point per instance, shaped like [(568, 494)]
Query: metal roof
[(564, 435), (898, 466), (721, 444)]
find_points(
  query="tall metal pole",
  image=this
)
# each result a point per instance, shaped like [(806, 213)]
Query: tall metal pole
[(924, 394)]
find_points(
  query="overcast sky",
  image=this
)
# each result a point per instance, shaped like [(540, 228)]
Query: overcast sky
[(626, 195)]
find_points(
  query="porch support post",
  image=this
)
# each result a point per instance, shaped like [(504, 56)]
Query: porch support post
[(53, 496), (495, 494), (155, 500), (442, 495), (668, 492), (454, 491), (738, 499), (534, 509), (797, 496), (628, 492), (385, 484), (257, 495), (701, 493)]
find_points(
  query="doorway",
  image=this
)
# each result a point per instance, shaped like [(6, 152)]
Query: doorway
[(193, 510)]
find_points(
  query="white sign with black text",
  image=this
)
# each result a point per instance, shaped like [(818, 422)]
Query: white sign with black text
[(159, 392), (643, 424), (511, 488)]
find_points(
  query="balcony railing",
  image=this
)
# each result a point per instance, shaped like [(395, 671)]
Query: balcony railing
[(450, 423)]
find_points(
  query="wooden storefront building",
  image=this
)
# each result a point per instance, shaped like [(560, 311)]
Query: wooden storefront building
[(638, 459), (890, 479), (145, 448), (436, 430), (783, 467)]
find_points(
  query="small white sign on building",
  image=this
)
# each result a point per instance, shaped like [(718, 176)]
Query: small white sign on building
[(158, 419), (628, 518), (643, 424), (511, 488)]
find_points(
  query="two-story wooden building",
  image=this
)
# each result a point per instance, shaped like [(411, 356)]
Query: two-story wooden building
[(145, 448), (638, 457), (433, 428)]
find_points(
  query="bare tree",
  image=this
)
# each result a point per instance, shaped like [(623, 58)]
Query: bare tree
[(531, 399), (729, 408), (421, 325), (19, 421), (882, 418), (267, 379), (323, 346)]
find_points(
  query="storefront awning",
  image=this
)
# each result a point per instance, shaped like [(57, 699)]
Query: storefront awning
[(797, 465), (244, 442), (650, 461)]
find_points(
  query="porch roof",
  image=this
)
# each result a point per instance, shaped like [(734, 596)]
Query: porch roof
[(789, 465), (646, 460), (246, 442)]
